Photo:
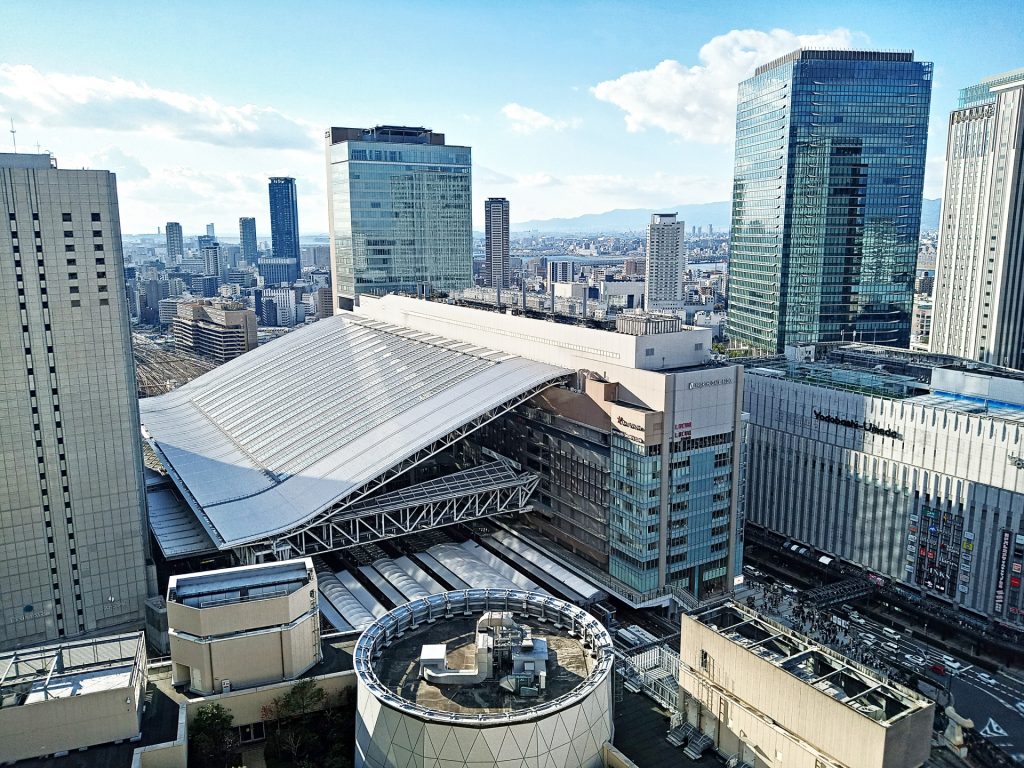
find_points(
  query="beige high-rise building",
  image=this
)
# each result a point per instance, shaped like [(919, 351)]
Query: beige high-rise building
[(978, 312), (666, 260), (221, 331), (72, 501)]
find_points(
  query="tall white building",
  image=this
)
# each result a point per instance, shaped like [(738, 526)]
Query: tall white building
[(666, 260), (978, 311), (496, 244), (72, 499)]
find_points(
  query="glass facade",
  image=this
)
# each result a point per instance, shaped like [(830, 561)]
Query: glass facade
[(401, 214), (830, 156), (284, 223), (697, 530)]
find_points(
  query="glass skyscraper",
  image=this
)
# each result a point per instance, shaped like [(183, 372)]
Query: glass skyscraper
[(247, 239), (400, 210), (284, 222), (830, 156)]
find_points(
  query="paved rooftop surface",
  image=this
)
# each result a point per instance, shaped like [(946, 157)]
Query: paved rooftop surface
[(640, 729), (398, 670)]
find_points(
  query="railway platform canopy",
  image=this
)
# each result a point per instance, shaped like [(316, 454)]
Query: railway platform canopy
[(339, 434)]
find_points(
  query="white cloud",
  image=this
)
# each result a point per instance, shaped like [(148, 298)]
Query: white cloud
[(117, 104), (698, 102), (526, 120), (127, 167)]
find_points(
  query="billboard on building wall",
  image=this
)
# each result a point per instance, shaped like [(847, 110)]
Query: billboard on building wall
[(1004, 556)]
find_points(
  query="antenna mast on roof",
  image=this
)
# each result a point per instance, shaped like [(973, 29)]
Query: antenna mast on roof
[(13, 137)]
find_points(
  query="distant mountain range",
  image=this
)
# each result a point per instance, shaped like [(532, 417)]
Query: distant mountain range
[(700, 215)]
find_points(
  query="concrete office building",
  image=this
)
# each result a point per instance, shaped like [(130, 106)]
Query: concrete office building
[(60, 698), (666, 261), (242, 627), (218, 330), (496, 246), (906, 463), (485, 678), (275, 271), (767, 695), (247, 240), (561, 271), (979, 280), (826, 210), (400, 210), (211, 261), (73, 542), (175, 242)]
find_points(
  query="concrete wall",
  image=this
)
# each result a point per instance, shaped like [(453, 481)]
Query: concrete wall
[(237, 617), (747, 700), (66, 724), (247, 659)]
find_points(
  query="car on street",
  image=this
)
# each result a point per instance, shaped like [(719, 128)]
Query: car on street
[(938, 669), (917, 661), (952, 665), (985, 677)]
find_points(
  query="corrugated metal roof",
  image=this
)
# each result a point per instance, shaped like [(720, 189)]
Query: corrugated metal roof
[(261, 444)]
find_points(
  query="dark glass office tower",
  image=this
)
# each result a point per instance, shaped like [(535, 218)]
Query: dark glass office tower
[(247, 239), (284, 222), (830, 156)]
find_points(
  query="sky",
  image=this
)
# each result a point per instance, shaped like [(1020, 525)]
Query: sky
[(569, 107)]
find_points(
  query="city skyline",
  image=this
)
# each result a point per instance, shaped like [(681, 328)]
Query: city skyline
[(647, 123)]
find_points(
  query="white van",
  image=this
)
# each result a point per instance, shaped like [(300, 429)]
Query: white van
[(889, 632)]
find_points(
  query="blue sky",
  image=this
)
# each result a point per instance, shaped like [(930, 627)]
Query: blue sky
[(570, 107)]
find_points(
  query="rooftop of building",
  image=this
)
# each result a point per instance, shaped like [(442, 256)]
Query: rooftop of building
[(983, 92), (388, 653), (243, 584), (398, 668), (925, 378), (75, 668), (808, 54), (26, 160), (391, 134), (857, 686), (402, 392)]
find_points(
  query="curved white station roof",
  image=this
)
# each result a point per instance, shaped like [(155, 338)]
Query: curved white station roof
[(268, 440)]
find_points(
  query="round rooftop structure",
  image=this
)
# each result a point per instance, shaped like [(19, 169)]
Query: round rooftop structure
[(498, 678)]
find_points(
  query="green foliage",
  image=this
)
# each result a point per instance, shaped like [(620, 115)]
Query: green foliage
[(311, 729), (211, 739)]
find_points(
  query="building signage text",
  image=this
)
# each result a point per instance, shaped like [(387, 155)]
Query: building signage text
[(851, 424), (709, 383), (623, 423), (1004, 555)]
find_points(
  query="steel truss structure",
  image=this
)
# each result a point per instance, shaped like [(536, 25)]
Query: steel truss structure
[(491, 489)]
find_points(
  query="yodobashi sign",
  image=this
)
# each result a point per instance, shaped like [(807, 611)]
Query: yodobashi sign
[(623, 423), (709, 383), (1004, 555)]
